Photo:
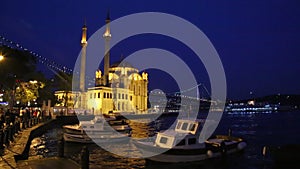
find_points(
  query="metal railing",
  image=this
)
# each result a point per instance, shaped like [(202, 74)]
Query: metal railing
[(9, 130)]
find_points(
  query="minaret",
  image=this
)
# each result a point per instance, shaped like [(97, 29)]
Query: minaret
[(107, 37), (83, 58)]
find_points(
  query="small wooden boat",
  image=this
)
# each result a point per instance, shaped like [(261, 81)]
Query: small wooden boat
[(98, 130), (182, 144)]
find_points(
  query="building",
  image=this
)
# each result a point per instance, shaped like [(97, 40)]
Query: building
[(65, 101), (66, 98), (120, 88)]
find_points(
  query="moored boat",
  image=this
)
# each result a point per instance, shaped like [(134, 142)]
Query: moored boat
[(98, 130), (183, 144)]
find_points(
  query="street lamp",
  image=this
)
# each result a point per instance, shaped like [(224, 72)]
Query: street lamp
[(1, 57)]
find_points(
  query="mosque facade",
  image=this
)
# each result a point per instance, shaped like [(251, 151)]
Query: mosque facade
[(120, 87)]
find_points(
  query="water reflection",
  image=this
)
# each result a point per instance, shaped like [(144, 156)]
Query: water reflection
[(144, 130), (258, 129), (46, 145)]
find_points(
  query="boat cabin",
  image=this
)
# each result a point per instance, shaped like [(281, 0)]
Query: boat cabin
[(188, 126), (186, 133), (96, 124)]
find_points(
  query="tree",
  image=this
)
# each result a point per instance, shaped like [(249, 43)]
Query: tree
[(27, 92), (16, 65), (17, 69)]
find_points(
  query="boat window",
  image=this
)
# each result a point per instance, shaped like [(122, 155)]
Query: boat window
[(192, 141), (163, 140), (181, 143), (184, 126), (178, 125), (192, 127), (84, 127), (91, 127)]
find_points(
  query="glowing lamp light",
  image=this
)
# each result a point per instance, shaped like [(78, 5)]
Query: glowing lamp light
[(107, 34), (1, 57), (33, 81)]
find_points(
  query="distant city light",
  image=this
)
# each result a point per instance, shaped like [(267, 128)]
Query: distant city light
[(251, 102)]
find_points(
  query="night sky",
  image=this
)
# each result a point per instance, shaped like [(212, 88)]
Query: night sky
[(258, 40)]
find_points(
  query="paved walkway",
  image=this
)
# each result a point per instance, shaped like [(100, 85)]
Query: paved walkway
[(48, 163), (7, 159)]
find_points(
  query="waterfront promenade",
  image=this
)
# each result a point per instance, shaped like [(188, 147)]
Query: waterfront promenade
[(16, 145)]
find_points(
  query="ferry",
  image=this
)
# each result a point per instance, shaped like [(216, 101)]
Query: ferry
[(183, 144), (98, 130), (246, 107)]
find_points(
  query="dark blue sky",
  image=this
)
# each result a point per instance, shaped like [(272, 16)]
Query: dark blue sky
[(258, 41)]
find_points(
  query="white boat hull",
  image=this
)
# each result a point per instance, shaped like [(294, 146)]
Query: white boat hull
[(94, 139), (97, 131)]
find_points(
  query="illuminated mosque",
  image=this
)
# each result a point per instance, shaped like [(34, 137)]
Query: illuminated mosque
[(119, 88)]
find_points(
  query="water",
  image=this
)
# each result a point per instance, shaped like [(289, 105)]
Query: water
[(258, 129)]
